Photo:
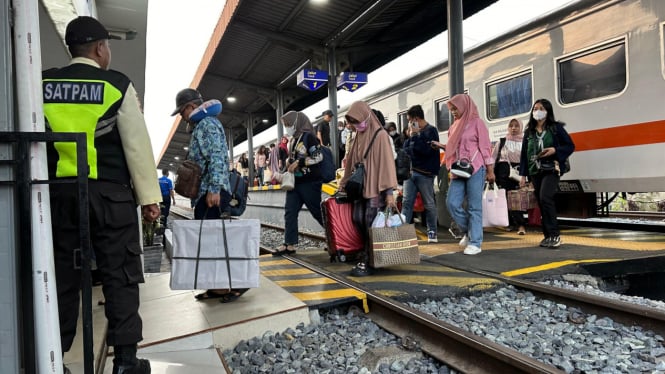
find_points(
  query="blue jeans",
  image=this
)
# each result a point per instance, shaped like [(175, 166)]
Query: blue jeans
[(425, 185), (308, 193), (469, 221)]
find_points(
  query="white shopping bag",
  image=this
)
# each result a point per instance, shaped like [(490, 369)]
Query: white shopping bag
[(495, 207), (212, 265)]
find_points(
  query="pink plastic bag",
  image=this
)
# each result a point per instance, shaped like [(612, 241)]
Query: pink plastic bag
[(495, 207)]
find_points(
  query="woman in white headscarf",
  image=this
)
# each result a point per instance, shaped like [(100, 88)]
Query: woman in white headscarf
[(506, 156)]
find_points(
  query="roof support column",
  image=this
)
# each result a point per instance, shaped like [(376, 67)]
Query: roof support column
[(229, 139), (279, 112), (250, 147), (455, 48), (332, 103)]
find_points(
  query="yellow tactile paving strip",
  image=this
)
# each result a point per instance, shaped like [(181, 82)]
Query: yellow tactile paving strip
[(305, 284), (314, 289), (627, 241)]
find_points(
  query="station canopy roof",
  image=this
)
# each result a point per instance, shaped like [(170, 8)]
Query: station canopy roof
[(259, 46)]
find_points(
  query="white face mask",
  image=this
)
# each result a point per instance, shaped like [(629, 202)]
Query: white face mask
[(290, 130), (392, 133), (539, 115)]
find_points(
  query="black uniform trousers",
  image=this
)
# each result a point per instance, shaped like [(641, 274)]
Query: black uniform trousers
[(114, 233)]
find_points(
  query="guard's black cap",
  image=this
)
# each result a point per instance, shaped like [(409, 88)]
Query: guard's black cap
[(85, 29), (185, 96), (327, 112)]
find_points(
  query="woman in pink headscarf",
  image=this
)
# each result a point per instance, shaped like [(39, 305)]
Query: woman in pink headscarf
[(468, 142), (506, 155)]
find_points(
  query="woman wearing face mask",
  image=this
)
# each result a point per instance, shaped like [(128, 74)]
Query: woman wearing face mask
[(379, 183), (506, 156), (394, 135), (545, 148), (304, 157)]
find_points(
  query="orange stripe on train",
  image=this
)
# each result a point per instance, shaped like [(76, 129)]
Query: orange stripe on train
[(620, 136)]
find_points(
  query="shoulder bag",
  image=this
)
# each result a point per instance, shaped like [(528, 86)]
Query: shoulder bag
[(356, 184), (188, 179)]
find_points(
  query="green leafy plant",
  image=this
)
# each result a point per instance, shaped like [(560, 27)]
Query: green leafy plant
[(149, 230)]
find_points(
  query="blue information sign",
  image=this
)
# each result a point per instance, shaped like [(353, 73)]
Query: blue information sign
[(311, 79), (351, 81)]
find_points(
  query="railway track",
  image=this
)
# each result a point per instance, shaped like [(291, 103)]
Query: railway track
[(448, 344), (463, 350)]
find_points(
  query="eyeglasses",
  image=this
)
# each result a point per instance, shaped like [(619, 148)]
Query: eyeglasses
[(183, 110), (352, 120)]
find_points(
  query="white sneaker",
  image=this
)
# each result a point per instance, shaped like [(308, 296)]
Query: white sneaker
[(471, 250), (464, 242)]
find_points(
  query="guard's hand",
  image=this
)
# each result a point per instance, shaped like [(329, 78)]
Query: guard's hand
[(212, 199), (150, 212)]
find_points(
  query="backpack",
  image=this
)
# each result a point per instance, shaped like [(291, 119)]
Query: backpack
[(402, 166), (237, 198), (327, 165)]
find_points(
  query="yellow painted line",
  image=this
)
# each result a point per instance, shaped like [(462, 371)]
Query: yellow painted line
[(425, 280), (440, 249), (436, 268), (333, 294), (305, 282), (275, 262), (282, 272), (551, 265), (329, 294)]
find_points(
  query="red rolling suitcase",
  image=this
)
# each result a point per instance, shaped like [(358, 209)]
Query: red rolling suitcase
[(344, 239), (535, 218)]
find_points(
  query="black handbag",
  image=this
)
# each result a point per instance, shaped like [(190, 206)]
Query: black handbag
[(356, 184), (463, 167), (402, 166)]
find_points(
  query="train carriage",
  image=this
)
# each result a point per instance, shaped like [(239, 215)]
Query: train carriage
[(602, 66)]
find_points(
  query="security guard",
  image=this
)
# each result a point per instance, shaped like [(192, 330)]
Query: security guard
[(87, 97)]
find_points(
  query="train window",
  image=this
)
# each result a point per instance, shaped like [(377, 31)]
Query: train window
[(595, 73), (509, 97), (442, 115), (401, 121)]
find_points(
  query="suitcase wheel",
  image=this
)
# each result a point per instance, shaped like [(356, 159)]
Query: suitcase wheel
[(333, 258), (342, 258)]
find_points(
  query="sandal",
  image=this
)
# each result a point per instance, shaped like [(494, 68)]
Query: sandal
[(521, 230), (284, 250), (233, 296)]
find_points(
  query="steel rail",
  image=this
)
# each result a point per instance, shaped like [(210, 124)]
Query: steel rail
[(451, 345), (626, 313)]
